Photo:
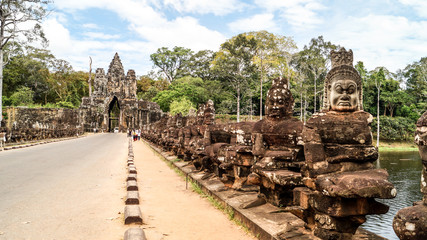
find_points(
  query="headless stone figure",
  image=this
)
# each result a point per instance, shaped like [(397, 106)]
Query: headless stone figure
[(411, 222), (278, 147), (341, 182)]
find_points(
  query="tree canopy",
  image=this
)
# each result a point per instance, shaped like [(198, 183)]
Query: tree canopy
[(236, 78)]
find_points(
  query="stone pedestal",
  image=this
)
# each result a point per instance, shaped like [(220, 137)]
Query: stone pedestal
[(341, 182)]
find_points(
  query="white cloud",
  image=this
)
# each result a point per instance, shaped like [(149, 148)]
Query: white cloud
[(80, 4), (300, 14), (152, 28), (184, 32), (99, 35), (255, 23), (77, 51), (382, 40), (58, 35), (90, 26), (420, 6), (217, 7)]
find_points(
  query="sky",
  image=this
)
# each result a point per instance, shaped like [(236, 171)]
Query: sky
[(387, 33)]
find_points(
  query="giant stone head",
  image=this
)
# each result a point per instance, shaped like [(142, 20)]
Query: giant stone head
[(279, 103), (343, 85)]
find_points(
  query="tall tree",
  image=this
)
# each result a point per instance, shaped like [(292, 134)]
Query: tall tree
[(200, 63), (234, 62), (272, 56), (172, 63), (15, 15), (416, 82), (314, 62), (29, 68), (379, 77)]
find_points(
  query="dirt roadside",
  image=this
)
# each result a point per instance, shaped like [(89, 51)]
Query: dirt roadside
[(170, 211)]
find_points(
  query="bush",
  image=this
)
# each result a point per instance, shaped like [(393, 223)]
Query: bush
[(182, 106), (6, 101), (395, 128), (22, 97), (64, 104)]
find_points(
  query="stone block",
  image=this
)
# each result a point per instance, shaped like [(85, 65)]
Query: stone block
[(132, 170), (283, 177), (366, 184), (342, 127), (244, 159), (131, 177), (302, 197), (411, 223), (132, 198), (131, 185), (344, 207), (130, 163), (350, 153), (324, 167), (341, 224), (314, 152), (134, 234), (133, 214), (331, 234)]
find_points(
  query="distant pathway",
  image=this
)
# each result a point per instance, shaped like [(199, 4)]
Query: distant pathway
[(172, 212)]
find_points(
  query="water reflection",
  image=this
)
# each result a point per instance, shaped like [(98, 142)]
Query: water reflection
[(405, 173)]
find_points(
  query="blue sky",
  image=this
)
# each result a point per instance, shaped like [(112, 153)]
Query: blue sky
[(389, 33)]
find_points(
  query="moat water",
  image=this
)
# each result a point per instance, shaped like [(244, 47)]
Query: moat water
[(404, 169)]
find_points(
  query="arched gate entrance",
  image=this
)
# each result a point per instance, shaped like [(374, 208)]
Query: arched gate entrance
[(113, 114)]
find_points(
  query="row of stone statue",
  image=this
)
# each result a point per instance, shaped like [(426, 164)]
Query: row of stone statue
[(322, 171)]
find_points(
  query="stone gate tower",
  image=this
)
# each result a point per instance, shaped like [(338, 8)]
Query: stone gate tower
[(113, 102)]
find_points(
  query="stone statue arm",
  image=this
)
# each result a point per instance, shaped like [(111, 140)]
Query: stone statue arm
[(258, 147)]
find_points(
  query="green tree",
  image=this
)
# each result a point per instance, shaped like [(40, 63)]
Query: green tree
[(234, 63), (182, 105), (29, 68), (272, 56), (15, 15), (200, 63), (314, 62), (190, 88), (22, 97), (378, 78), (172, 63), (416, 83)]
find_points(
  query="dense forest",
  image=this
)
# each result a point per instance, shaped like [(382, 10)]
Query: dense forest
[(236, 78)]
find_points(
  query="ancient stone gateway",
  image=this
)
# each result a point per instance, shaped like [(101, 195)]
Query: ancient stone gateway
[(113, 103)]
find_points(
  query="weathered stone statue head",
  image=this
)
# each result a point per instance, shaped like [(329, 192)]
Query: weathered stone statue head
[(178, 120), (343, 85), (209, 113), (200, 114), (279, 103)]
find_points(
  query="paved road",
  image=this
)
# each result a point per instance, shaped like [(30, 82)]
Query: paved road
[(65, 190)]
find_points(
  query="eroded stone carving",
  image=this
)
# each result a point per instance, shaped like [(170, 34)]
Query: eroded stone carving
[(411, 222), (341, 182), (278, 147)]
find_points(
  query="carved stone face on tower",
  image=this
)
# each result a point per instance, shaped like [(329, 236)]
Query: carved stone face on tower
[(344, 95)]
